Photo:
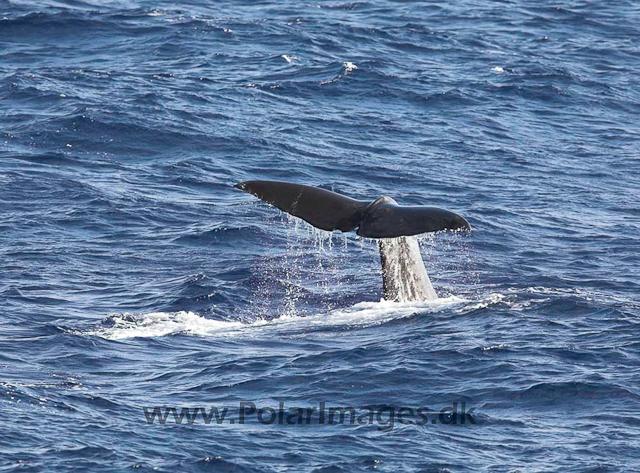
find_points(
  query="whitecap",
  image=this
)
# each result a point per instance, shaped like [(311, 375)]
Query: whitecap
[(349, 66), (494, 347)]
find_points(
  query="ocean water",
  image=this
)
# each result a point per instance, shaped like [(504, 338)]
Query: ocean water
[(134, 276)]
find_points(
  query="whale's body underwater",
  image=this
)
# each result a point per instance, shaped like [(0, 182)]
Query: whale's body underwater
[(404, 277)]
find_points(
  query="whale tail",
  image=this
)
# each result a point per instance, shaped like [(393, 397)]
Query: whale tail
[(382, 218), (404, 276)]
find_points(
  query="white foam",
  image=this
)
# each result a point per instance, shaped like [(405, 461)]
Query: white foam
[(494, 347), (586, 294), (159, 324), (362, 315), (498, 69), (491, 299), (349, 66)]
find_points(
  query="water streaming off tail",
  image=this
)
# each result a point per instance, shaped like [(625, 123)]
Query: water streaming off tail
[(314, 268), (451, 264)]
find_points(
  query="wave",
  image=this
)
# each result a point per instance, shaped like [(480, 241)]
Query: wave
[(67, 24), (564, 390)]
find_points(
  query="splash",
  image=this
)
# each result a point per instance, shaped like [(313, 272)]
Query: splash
[(307, 275), (362, 315)]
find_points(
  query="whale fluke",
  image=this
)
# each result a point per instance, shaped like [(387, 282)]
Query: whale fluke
[(321, 208), (404, 277), (382, 218)]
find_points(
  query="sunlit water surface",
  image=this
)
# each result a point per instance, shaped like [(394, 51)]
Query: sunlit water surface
[(133, 274)]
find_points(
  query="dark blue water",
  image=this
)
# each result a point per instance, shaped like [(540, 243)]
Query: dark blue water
[(133, 274)]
